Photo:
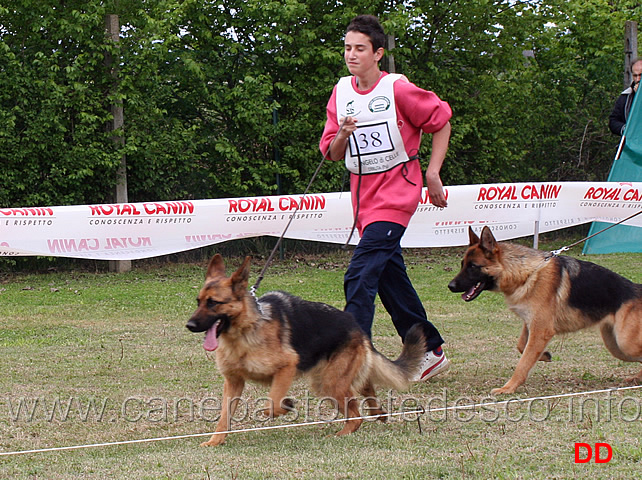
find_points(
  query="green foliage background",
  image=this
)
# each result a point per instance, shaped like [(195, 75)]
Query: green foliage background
[(221, 97)]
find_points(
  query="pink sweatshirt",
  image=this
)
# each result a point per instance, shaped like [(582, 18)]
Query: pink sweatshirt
[(389, 196)]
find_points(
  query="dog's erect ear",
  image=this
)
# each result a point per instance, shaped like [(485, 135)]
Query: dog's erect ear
[(488, 243), (216, 268), (473, 239), (240, 278)]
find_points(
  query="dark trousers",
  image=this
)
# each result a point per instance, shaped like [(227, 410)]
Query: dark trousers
[(377, 266)]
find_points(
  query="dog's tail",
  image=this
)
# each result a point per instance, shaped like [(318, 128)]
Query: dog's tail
[(399, 373)]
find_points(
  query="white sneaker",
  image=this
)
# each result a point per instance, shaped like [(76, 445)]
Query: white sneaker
[(433, 364)]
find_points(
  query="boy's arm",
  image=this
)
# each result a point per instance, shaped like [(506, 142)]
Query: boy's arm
[(440, 141)]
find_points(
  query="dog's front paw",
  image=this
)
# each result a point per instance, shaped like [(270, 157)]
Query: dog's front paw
[(215, 441), (502, 391), (277, 412)]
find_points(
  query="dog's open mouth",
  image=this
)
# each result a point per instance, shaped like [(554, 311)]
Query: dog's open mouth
[(473, 292), (211, 337)]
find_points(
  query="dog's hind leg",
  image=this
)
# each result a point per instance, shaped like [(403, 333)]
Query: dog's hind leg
[(613, 345), (350, 410), (523, 340), (539, 336), (340, 382), (373, 404), (624, 343), (232, 389)]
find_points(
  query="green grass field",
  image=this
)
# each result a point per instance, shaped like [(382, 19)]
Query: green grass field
[(93, 358)]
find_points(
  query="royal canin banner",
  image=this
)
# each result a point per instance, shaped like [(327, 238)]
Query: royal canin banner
[(129, 231)]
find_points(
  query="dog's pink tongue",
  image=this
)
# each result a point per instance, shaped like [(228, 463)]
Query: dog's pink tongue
[(211, 342)]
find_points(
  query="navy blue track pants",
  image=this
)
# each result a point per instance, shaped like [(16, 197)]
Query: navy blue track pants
[(377, 266)]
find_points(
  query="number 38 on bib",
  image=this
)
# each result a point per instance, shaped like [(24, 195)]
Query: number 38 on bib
[(377, 142)]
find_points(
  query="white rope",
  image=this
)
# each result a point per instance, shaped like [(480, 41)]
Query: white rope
[(319, 422), (192, 435), (532, 399)]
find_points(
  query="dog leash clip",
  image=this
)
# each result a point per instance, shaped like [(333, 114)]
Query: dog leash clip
[(559, 251), (256, 300)]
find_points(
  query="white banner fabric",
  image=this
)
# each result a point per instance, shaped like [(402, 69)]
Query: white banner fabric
[(130, 231)]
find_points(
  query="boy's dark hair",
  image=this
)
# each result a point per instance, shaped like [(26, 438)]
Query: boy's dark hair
[(369, 25)]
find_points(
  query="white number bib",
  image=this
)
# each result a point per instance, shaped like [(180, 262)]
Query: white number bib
[(377, 142)]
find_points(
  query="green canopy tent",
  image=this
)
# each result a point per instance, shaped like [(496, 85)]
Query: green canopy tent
[(627, 167)]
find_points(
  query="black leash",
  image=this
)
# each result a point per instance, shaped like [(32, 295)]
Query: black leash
[(278, 243), (356, 210), (568, 247)]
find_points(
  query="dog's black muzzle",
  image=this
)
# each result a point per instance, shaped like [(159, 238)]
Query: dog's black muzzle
[(454, 286), (193, 325), (199, 324)]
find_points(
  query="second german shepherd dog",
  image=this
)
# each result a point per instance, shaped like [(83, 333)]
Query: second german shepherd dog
[(552, 294), (278, 337)]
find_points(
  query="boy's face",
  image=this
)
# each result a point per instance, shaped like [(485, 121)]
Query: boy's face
[(359, 54)]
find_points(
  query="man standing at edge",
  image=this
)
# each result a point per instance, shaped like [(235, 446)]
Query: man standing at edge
[(622, 106), (374, 122)]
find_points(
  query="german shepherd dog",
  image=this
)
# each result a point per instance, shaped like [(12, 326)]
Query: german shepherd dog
[(552, 295), (278, 337)]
